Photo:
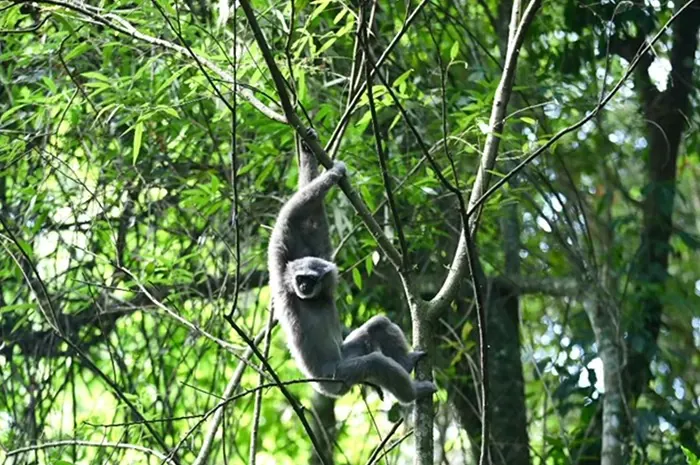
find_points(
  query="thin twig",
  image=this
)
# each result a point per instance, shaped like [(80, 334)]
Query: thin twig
[(391, 447), (382, 445), (78, 442), (386, 178), (234, 382), (258, 395), (235, 220), (278, 382)]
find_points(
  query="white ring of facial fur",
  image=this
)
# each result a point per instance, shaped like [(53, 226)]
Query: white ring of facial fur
[(320, 273)]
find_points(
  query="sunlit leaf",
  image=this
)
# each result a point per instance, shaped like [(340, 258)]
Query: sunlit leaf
[(138, 135)]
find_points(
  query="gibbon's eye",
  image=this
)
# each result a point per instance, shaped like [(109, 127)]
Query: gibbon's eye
[(305, 283)]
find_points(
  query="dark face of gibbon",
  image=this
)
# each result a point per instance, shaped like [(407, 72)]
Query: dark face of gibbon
[(312, 277)]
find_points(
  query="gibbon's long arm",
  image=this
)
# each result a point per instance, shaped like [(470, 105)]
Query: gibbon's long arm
[(316, 224), (308, 164), (302, 202), (296, 233)]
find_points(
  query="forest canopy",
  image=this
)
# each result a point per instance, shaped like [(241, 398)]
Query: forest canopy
[(522, 200)]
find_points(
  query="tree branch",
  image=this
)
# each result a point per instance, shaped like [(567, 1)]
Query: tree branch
[(293, 119), (496, 122), (119, 24)]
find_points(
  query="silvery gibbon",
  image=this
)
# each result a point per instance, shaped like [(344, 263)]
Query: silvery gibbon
[(303, 283)]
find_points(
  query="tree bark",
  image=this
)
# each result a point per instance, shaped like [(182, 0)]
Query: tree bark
[(604, 326), (508, 419)]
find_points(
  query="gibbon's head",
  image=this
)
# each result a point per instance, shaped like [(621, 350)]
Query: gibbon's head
[(310, 277)]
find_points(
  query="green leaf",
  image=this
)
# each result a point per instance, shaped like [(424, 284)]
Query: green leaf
[(401, 79), (369, 265), (166, 4), (690, 457), (357, 278), (466, 331), (329, 43), (77, 51), (6, 115), (454, 51), (166, 84), (301, 87), (138, 135), (17, 307), (98, 76), (322, 5), (50, 84), (341, 14), (528, 120), (169, 111), (26, 247)]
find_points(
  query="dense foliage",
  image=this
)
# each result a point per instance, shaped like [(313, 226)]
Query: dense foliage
[(144, 155)]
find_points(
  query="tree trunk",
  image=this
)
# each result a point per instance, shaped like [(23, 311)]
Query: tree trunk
[(667, 113), (508, 418), (423, 414), (604, 321)]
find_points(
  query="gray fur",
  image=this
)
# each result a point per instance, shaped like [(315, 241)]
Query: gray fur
[(303, 283), (316, 222)]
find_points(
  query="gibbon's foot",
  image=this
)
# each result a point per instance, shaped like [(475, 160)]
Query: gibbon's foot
[(424, 388), (377, 389), (414, 357)]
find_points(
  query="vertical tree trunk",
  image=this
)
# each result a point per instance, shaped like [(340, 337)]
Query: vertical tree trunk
[(423, 414), (667, 114), (508, 419), (604, 323)]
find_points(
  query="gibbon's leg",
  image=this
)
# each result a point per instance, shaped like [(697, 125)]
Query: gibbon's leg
[(357, 348), (380, 333), (385, 372), (303, 201)]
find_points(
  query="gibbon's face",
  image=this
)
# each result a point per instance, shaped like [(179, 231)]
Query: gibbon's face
[(307, 286), (311, 276)]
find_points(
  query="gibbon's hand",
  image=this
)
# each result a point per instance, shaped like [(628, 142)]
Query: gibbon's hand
[(311, 132), (339, 169)]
